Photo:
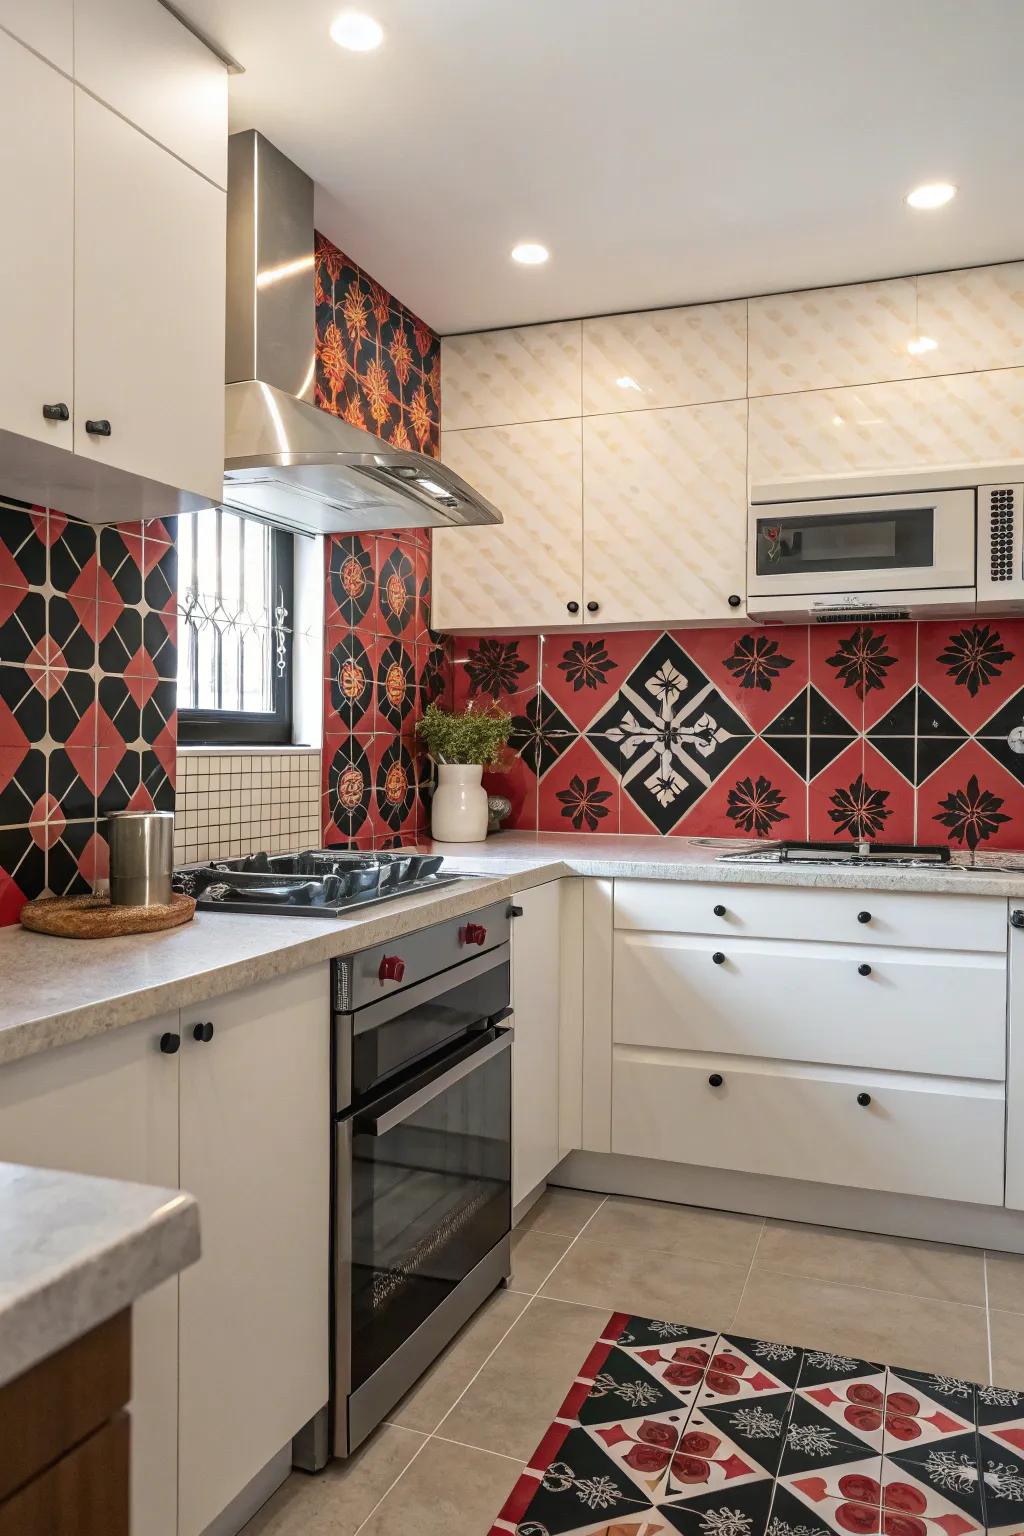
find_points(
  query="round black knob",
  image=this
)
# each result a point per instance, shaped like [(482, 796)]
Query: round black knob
[(573, 607), (169, 1043), (202, 1032), (864, 970), (56, 412), (716, 1080), (735, 600), (98, 427), (863, 1099), (863, 917), (1017, 918), (592, 607), (719, 910), (718, 958)]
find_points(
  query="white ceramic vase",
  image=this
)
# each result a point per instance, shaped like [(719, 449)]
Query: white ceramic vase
[(458, 811)]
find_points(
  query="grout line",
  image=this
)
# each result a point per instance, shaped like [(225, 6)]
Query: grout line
[(370, 1514), (876, 1290), (519, 1460), (750, 1270), (988, 1313)]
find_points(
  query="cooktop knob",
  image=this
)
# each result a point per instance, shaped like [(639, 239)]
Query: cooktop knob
[(392, 968)]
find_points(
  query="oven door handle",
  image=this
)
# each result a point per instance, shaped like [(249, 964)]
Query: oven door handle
[(379, 1125)]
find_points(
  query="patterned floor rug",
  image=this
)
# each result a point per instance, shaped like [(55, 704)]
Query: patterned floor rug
[(673, 1428)]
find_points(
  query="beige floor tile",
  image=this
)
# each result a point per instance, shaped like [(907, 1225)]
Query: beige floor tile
[(562, 1211), (524, 1383), (883, 1263), (1006, 1281), (877, 1325), (682, 1229), (430, 1399), (336, 1501), (1007, 1349), (534, 1256), (672, 1286), (448, 1491)]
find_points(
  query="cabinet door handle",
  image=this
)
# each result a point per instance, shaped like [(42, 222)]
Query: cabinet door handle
[(169, 1043), (716, 1080), (718, 958), (592, 607), (573, 607), (98, 427), (863, 1099), (864, 970), (863, 917), (514, 912), (734, 600), (202, 1032), (57, 412), (719, 910)]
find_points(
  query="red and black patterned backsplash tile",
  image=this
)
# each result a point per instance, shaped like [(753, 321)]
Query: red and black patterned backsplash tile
[(896, 732), (377, 364), (87, 692)]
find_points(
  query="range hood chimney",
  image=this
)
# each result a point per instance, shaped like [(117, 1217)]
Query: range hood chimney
[(285, 459)]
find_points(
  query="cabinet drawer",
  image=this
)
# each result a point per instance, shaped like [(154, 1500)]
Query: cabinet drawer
[(918, 1136), (916, 1011), (788, 912)]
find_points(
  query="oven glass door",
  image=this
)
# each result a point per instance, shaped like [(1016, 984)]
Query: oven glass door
[(898, 538), (430, 1194)]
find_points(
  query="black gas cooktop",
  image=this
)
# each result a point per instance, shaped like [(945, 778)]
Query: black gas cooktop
[(320, 882)]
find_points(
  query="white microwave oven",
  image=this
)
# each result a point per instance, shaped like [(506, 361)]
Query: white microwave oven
[(884, 552)]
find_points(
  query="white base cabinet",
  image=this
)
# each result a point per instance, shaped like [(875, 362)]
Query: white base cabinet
[(231, 1357), (536, 1000)]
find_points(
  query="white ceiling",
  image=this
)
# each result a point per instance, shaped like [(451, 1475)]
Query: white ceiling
[(667, 151)]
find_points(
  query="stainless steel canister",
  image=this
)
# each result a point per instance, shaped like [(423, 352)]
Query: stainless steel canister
[(141, 857)]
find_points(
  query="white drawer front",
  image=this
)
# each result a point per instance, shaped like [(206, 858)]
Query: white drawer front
[(916, 1137), (788, 912), (916, 1011)]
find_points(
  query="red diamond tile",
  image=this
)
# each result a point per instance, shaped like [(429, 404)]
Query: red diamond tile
[(833, 791), (80, 747), (517, 782), (579, 793), (82, 594), (971, 667), (583, 672), (759, 671), (166, 748), (971, 802), (141, 676), (887, 790), (758, 796), (95, 859), (495, 669)]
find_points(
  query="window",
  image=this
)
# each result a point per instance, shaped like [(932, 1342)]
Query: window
[(235, 602)]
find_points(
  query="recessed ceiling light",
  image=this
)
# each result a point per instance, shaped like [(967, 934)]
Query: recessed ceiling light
[(919, 344), (529, 254), (357, 31), (933, 194)]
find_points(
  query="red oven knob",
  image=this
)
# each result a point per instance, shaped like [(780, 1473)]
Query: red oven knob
[(473, 933), (392, 968)]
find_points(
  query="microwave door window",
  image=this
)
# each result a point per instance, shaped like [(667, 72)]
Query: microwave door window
[(844, 542)]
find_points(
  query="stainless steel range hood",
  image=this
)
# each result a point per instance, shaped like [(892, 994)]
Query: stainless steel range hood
[(286, 459)]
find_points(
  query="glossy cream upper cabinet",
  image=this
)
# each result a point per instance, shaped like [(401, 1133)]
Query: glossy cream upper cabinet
[(526, 572), (664, 514), (139, 59), (37, 258), (149, 307), (665, 357), (497, 378), (45, 25)]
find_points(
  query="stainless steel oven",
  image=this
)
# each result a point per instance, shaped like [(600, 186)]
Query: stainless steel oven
[(422, 1207)]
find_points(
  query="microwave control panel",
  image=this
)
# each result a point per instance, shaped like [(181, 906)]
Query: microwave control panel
[(1000, 547)]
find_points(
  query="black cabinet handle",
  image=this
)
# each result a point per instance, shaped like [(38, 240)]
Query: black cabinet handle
[(864, 970), (203, 1032), (573, 607), (863, 1099), (98, 427), (735, 600), (57, 412), (863, 917), (515, 912), (716, 1080), (592, 607), (719, 910), (718, 958), (169, 1043)]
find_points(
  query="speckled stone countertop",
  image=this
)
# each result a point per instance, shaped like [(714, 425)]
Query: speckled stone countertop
[(75, 1251), (55, 991)]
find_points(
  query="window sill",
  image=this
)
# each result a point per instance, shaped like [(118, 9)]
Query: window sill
[(246, 749)]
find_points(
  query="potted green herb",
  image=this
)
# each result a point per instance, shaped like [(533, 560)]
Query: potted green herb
[(462, 743)]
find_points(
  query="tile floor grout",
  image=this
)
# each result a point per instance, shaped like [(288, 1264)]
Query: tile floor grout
[(988, 1310), (434, 1435), (750, 1271)]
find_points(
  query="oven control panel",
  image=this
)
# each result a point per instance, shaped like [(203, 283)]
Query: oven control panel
[(402, 962)]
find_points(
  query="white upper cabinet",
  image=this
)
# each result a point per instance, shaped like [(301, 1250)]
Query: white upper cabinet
[(37, 258), (665, 357), (140, 60), (45, 25), (149, 307), (500, 377), (665, 514), (827, 337)]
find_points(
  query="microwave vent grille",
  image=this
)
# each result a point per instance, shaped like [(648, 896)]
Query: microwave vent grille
[(1001, 533), (862, 615)]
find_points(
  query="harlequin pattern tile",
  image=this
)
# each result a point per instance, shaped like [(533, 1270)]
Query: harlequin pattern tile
[(23, 534)]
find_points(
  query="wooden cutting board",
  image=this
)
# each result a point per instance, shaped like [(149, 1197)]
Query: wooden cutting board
[(92, 917)]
